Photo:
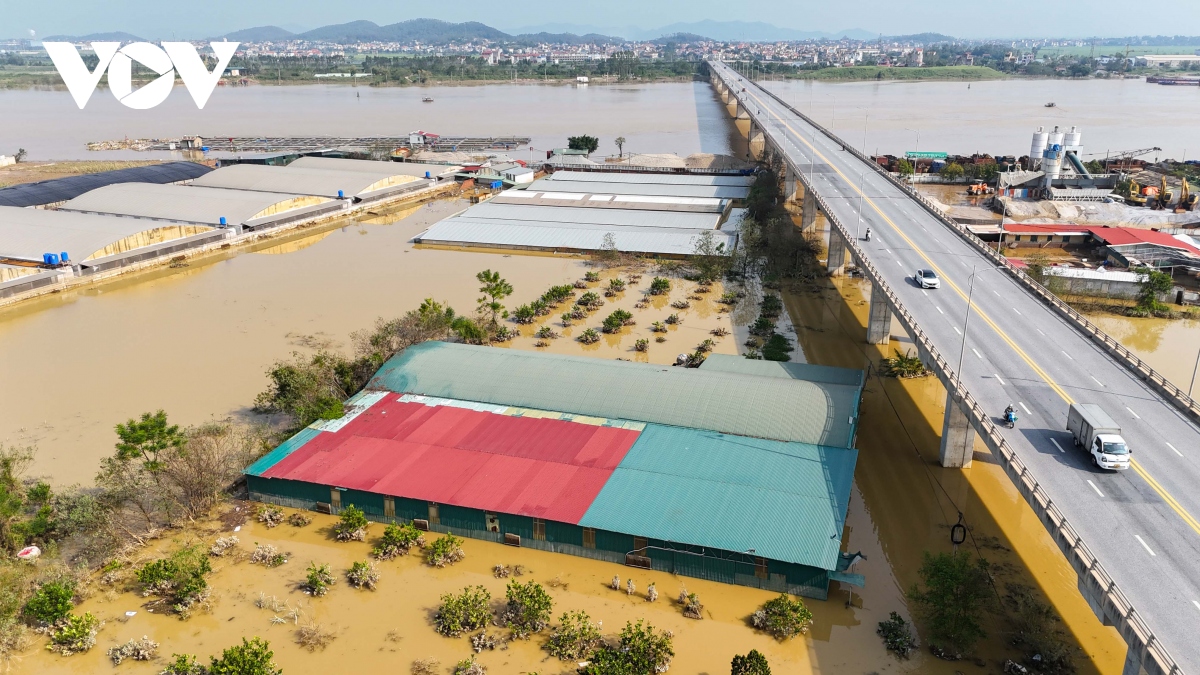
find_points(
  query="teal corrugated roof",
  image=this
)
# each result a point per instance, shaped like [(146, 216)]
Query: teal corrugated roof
[(728, 363), (286, 448), (819, 413), (787, 501)]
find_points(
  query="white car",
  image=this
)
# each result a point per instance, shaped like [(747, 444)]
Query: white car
[(927, 279)]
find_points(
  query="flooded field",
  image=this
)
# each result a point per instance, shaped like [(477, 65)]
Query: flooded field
[(1170, 346)]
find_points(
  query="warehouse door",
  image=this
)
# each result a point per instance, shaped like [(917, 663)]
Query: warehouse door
[(493, 522)]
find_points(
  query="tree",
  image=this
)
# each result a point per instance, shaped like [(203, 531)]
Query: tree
[(753, 663), (20, 156), (1036, 264), (494, 290), (1153, 284), (584, 142), (952, 602), (952, 171), (620, 141), (252, 657), (528, 609), (640, 650), (904, 167), (13, 462), (710, 258), (147, 438)]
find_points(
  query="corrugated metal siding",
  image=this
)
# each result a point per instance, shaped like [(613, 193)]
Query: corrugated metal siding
[(745, 405), (61, 189), (729, 363), (584, 187), (557, 236), (290, 180), (381, 169), (572, 215), (785, 500)]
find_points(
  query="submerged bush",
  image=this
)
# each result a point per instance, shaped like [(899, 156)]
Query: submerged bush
[(180, 579), (528, 609), (575, 638), (753, 663), (783, 617), (640, 649), (352, 526), (319, 579), (266, 554), (138, 650), (445, 551), (589, 336), (270, 515), (77, 634), (183, 664), (903, 366), (613, 322), (252, 657), (777, 348), (660, 286), (897, 635), (397, 540), (363, 575), (467, 611)]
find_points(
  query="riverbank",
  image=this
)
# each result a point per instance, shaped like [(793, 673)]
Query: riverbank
[(865, 73)]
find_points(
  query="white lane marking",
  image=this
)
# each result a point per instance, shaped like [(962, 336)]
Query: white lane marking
[(1133, 413), (1027, 410), (1060, 448), (939, 309), (956, 330), (925, 291), (1039, 330), (1018, 311), (1143, 543), (998, 378), (1197, 604), (1097, 381), (977, 352), (900, 263), (996, 292), (1068, 356), (1102, 497), (1173, 448)]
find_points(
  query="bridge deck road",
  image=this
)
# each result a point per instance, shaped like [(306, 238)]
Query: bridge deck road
[(1139, 523)]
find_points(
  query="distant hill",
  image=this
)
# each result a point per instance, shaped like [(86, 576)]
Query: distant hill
[(754, 31), (923, 38), (568, 38), (681, 37), (116, 36), (423, 30), (259, 34)]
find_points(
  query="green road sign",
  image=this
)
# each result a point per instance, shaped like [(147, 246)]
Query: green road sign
[(925, 155)]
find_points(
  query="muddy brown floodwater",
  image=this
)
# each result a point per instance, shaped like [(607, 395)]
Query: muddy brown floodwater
[(197, 341), (1170, 346)]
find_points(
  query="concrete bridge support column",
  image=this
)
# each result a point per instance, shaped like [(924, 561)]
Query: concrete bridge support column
[(879, 320), (791, 185), (958, 436), (836, 260), (757, 141), (808, 212), (1133, 663)]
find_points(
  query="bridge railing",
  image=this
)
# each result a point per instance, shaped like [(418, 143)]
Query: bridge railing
[(1093, 578), (1140, 369)]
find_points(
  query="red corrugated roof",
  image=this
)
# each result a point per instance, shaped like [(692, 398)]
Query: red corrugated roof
[(543, 468), (1116, 236)]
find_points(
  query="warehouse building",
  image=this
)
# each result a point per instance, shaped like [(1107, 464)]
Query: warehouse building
[(83, 244), (359, 186), (49, 193), (579, 211), (738, 471), (215, 207), (436, 172)]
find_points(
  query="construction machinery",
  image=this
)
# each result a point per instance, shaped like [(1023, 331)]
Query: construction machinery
[(1134, 196), (1187, 200), (980, 188), (1163, 195), (1120, 160)]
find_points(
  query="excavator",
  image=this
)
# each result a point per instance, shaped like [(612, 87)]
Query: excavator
[(1164, 195), (980, 188), (1135, 197), (1187, 200)]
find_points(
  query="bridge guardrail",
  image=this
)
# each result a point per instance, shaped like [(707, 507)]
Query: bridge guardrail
[(1142, 370), (1092, 575)]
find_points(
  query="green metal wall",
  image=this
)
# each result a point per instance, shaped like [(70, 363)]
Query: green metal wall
[(669, 557)]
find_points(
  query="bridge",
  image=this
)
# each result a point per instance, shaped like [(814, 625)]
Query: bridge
[(993, 336)]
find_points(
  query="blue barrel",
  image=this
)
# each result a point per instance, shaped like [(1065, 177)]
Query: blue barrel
[(45, 258), (341, 195), (64, 256), (223, 221), (427, 175), (51, 258)]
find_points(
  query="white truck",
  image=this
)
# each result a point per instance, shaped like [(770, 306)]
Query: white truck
[(1096, 432)]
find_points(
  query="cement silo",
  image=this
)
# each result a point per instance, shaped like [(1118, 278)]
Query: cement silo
[(1073, 140), (1056, 138), (1052, 158), (1040, 139)]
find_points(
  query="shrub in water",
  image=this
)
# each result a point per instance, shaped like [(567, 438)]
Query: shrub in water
[(660, 286), (639, 649), (467, 611), (528, 609), (575, 638), (138, 650), (252, 657), (753, 663), (77, 634), (180, 579), (51, 602), (363, 575), (397, 540), (897, 635), (783, 618), (319, 579), (352, 526), (445, 551)]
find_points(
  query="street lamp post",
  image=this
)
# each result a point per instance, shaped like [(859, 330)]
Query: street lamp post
[(1194, 368)]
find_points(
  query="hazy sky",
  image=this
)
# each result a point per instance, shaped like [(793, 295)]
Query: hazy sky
[(157, 19)]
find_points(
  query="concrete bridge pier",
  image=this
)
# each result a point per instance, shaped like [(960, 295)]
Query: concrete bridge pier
[(791, 185), (808, 211), (836, 260), (758, 140), (879, 320), (958, 436)]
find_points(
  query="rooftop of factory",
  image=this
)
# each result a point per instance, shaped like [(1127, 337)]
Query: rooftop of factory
[(62, 189), (580, 211), (27, 234), (415, 169), (199, 205), (320, 182), (729, 456)]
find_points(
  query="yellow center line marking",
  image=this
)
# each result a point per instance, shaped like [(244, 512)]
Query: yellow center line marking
[(1141, 471)]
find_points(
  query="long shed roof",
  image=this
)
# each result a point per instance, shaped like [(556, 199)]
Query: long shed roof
[(415, 169), (25, 234), (298, 180), (585, 187), (819, 413), (180, 203), (591, 216), (566, 236), (62, 189), (651, 178)]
